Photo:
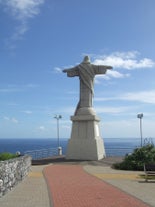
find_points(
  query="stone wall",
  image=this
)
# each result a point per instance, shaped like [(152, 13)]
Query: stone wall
[(13, 171)]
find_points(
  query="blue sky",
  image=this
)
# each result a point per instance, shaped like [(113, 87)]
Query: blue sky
[(39, 38)]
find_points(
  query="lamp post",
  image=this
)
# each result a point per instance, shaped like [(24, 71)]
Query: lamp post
[(58, 117), (140, 116)]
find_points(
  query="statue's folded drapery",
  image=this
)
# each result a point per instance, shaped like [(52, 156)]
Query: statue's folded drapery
[(86, 72)]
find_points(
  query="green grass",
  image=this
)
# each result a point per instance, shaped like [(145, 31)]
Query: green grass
[(7, 156)]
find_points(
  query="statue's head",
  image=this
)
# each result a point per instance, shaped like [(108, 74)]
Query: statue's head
[(86, 59)]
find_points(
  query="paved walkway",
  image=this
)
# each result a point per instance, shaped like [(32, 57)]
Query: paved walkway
[(31, 192), (82, 184), (130, 182), (71, 186)]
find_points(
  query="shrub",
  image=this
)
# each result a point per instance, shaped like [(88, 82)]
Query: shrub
[(7, 156), (136, 160)]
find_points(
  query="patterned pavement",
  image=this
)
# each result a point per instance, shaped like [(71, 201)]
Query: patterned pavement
[(71, 186)]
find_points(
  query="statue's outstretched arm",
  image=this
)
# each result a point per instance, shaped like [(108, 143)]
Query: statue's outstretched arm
[(101, 69), (71, 72)]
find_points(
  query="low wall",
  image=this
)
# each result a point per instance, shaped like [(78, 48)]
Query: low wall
[(13, 171)]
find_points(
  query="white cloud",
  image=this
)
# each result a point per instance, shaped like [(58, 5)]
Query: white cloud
[(111, 110), (127, 127), (42, 128), (118, 60), (12, 104), (21, 10), (17, 88), (60, 70), (121, 60), (12, 119), (31, 85), (111, 74), (57, 70), (124, 60), (27, 112), (140, 96), (6, 118), (9, 90), (116, 74), (19, 32)]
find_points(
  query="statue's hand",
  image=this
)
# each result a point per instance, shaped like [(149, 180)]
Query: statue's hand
[(109, 67)]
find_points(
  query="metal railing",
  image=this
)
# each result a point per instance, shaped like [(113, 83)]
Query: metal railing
[(110, 151), (50, 152), (42, 153), (118, 152)]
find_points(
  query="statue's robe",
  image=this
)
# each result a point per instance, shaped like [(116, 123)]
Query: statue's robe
[(86, 73)]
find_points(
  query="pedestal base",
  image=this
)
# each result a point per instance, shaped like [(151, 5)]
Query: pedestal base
[(85, 149), (86, 142)]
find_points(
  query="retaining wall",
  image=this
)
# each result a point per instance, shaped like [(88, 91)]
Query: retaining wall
[(13, 171)]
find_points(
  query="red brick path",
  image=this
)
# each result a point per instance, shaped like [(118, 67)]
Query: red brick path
[(71, 186)]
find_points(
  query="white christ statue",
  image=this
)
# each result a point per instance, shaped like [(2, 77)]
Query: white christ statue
[(86, 72)]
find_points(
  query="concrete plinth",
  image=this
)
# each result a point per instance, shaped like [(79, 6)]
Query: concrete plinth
[(85, 142)]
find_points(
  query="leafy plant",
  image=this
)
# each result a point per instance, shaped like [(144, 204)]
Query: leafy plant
[(7, 156), (136, 160)]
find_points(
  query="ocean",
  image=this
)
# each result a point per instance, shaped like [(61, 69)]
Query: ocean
[(113, 146)]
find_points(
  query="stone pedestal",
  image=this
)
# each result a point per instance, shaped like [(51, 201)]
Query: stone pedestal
[(85, 142)]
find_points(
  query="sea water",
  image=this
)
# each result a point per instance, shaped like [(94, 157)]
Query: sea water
[(113, 146)]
